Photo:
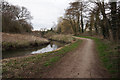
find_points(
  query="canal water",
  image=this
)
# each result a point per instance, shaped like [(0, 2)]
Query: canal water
[(36, 50)]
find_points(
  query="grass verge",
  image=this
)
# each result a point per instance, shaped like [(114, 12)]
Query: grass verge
[(109, 55), (33, 66)]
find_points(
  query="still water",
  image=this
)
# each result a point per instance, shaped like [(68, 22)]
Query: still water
[(36, 50)]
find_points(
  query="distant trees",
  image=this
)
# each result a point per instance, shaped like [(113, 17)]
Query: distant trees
[(74, 17), (103, 18), (15, 19), (72, 14), (109, 13), (64, 26)]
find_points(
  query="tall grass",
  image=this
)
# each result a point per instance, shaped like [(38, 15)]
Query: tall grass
[(62, 38), (13, 41)]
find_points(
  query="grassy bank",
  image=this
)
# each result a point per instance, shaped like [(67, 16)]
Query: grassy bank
[(33, 66), (109, 55), (13, 41), (60, 37)]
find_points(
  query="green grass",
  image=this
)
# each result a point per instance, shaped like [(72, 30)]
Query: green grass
[(52, 60), (60, 53), (37, 64), (108, 54)]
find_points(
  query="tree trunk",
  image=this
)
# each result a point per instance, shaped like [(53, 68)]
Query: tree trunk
[(118, 24), (106, 25), (113, 21), (82, 26), (78, 24)]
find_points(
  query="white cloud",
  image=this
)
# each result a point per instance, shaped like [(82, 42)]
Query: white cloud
[(44, 12)]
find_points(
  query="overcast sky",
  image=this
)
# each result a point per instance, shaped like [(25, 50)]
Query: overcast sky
[(45, 12)]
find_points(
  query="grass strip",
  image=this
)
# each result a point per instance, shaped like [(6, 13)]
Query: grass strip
[(60, 53)]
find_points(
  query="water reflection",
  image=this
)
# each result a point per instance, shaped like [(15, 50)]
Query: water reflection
[(50, 47), (22, 52)]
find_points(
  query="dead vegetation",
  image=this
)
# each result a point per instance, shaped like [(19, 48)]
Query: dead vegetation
[(63, 38), (60, 37), (19, 40)]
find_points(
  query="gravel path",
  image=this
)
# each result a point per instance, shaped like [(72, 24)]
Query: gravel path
[(82, 63)]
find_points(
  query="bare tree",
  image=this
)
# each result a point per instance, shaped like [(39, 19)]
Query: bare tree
[(15, 18)]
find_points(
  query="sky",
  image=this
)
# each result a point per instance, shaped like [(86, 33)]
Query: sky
[(45, 13)]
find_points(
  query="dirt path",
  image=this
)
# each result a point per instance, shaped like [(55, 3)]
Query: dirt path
[(82, 63)]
